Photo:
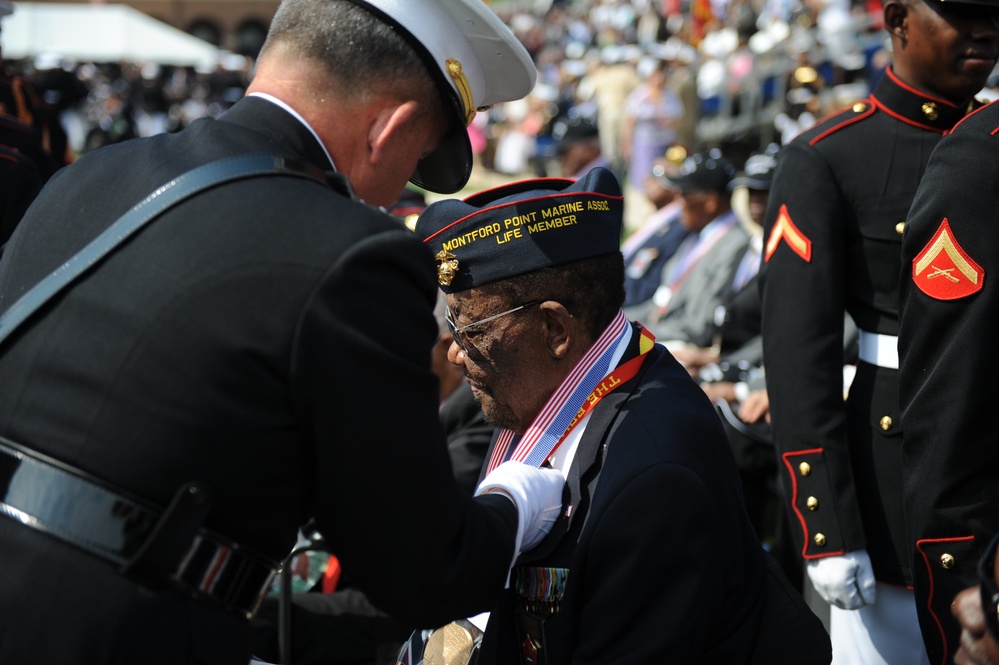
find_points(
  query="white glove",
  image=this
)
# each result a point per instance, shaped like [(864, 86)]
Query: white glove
[(846, 581), (537, 493)]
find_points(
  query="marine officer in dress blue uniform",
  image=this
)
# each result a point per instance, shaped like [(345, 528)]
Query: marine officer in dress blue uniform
[(255, 357)]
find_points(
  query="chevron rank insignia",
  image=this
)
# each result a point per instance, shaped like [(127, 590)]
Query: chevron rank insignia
[(785, 230), (943, 270)]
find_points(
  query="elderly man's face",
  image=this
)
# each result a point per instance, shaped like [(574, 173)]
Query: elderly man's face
[(503, 358)]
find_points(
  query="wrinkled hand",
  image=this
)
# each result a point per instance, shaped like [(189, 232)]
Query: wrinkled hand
[(977, 646), (537, 493), (846, 581)]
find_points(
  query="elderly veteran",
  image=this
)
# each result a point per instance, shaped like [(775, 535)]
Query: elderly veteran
[(653, 558), (256, 357)]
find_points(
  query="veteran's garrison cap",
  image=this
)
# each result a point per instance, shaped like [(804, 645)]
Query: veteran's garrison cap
[(476, 61), (522, 227)]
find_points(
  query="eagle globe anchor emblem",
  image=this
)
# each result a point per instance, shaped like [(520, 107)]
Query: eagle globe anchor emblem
[(447, 267)]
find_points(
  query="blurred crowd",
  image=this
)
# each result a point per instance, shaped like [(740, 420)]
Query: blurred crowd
[(649, 75), (687, 102), (697, 73)]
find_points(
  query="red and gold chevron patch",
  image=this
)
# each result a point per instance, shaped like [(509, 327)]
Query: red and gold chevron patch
[(943, 270), (785, 230)]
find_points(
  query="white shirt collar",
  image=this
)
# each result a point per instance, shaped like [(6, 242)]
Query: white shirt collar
[(295, 114)]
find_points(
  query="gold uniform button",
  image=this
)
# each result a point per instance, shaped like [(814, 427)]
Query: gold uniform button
[(859, 107), (899, 228), (820, 539), (805, 468), (886, 423), (812, 503), (947, 561)]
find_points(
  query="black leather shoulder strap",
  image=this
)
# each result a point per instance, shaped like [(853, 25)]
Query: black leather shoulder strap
[(166, 196)]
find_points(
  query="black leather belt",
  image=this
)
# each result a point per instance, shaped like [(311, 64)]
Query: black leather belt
[(153, 545)]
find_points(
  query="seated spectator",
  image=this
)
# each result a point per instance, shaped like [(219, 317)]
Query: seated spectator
[(654, 242), (695, 279), (737, 346)]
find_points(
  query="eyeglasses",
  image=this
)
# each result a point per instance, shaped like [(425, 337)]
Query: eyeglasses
[(989, 588), (457, 333)]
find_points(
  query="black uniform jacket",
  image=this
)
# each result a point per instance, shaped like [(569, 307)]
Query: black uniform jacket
[(832, 241), (468, 435), (949, 354), (663, 565), (269, 337)]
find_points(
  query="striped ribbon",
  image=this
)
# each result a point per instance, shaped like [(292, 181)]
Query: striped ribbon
[(556, 417)]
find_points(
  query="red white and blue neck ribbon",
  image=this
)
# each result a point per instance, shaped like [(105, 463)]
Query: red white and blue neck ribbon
[(571, 401)]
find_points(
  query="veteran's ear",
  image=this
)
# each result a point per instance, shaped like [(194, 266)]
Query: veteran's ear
[(560, 329)]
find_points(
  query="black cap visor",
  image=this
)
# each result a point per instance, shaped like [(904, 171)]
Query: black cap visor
[(447, 169)]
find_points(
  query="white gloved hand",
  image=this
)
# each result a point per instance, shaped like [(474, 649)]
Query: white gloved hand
[(846, 581), (537, 493)]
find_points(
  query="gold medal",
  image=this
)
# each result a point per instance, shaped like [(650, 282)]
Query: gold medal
[(452, 644)]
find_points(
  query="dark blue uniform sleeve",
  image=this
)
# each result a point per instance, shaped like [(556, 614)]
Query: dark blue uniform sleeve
[(386, 498)]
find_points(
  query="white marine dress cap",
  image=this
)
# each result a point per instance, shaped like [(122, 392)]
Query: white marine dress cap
[(479, 63)]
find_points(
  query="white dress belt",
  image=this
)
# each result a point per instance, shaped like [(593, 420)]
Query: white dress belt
[(880, 350)]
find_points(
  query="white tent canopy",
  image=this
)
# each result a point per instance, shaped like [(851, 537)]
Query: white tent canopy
[(99, 33)]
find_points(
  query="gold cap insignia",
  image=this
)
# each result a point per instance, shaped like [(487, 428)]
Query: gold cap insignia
[(447, 267), (930, 111), (457, 74)]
